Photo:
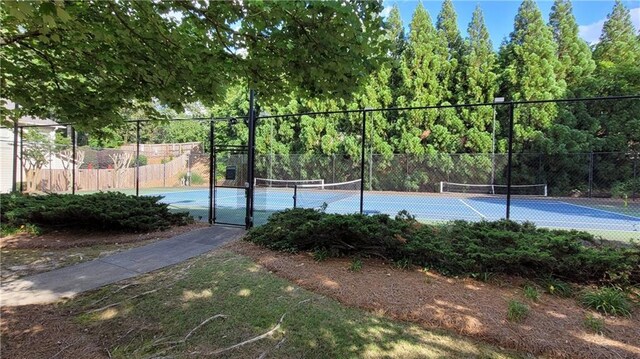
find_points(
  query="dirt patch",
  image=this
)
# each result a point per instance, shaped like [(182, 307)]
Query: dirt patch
[(554, 326), (85, 238), (44, 331)]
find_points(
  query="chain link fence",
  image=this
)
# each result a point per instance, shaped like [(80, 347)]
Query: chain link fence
[(438, 163)]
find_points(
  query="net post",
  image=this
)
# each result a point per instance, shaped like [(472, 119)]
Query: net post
[(441, 187), (211, 178), (295, 195), (510, 159), (545, 190)]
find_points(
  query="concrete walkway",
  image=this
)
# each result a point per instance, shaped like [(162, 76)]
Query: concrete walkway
[(66, 282)]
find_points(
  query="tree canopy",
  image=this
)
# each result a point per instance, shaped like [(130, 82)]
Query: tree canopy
[(83, 61)]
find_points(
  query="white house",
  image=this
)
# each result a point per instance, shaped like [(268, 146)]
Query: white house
[(8, 162)]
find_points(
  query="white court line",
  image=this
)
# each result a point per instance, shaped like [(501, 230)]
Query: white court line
[(600, 210), (473, 209)]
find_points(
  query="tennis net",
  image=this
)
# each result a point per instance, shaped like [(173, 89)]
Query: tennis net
[(280, 183), (496, 189), (316, 195)]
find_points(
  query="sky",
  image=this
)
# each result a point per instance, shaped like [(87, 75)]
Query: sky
[(499, 15)]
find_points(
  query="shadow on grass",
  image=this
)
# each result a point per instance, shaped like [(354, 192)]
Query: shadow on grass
[(154, 318)]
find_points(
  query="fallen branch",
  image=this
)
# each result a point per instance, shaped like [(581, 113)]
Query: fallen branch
[(201, 324), (254, 339), (122, 301)]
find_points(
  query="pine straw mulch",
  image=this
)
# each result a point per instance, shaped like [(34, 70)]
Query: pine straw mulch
[(554, 327), (44, 331)]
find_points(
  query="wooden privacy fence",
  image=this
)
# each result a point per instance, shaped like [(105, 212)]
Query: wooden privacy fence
[(92, 179)]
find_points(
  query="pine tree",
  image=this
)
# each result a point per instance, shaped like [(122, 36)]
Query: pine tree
[(529, 61), (478, 68), (447, 26), (573, 52), (618, 42), (423, 64)]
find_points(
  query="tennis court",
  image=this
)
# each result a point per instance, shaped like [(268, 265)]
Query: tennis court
[(566, 213)]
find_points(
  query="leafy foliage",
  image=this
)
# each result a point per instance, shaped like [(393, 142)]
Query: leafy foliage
[(457, 248), (83, 61), (557, 287), (112, 211), (610, 301)]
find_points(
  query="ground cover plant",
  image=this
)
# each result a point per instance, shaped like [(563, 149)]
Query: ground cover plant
[(104, 211), (456, 248)]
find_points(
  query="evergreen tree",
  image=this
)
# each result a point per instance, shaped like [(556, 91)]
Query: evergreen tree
[(447, 26), (478, 68), (618, 42), (423, 64), (573, 52), (529, 61)]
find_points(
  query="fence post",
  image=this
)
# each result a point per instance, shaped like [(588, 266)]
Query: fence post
[(138, 158), (590, 173), (74, 144), (364, 128), (634, 183), (250, 159), (509, 159), (211, 179), (21, 157), (14, 182)]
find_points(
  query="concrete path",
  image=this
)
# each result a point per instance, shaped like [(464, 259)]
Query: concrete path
[(66, 282)]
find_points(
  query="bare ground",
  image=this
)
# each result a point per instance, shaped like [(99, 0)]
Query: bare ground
[(553, 328)]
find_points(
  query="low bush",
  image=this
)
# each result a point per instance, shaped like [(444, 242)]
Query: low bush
[(593, 324), (456, 248), (517, 311), (112, 211), (610, 301)]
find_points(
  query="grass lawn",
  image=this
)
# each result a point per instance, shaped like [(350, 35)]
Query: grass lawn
[(173, 313)]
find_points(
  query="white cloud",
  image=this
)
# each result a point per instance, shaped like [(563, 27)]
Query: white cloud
[(635, 17), (591, 33), (385, 12)]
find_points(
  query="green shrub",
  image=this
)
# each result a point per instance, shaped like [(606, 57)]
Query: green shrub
[(356, 265), (455, 248), (626, 189), (557, 287), (517, 311), (142, 161), (320, 255), (196, 178), (593, 324), (104, 211), (609, 301), (531, 292)]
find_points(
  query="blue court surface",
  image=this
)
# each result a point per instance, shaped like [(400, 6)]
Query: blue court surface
[(567, 213)]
